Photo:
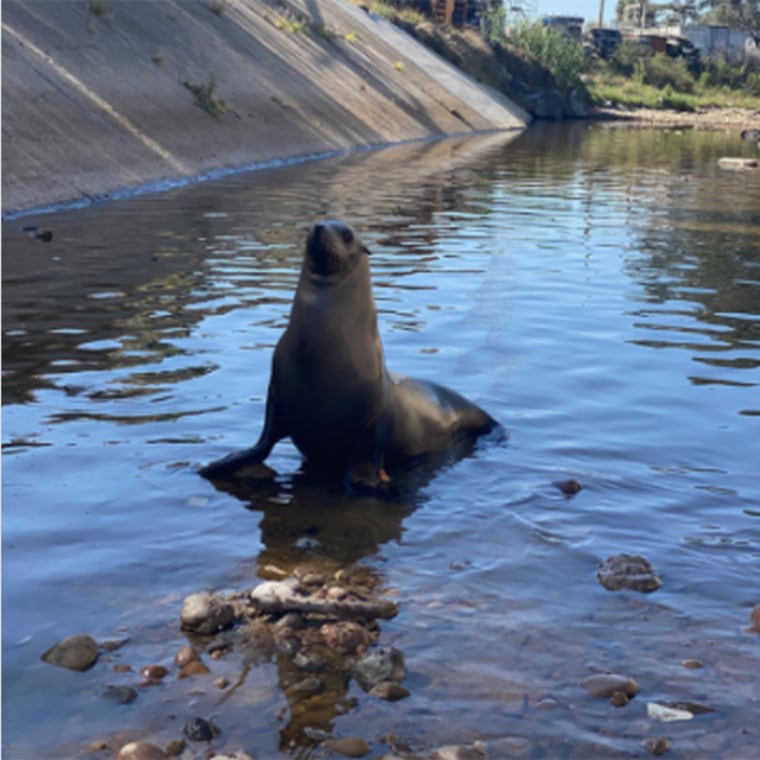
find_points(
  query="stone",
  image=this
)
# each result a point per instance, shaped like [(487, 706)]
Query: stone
[(345, 636), (349, 746), (121, 694), (657, 746), (384, 664), (154, 672), (476, 751), (185, 655), (755, 616), (194, 668), (77, 652), (390, 691), (738, 164), (141, 751), (546, 104), (200, 730), (627, 571), (206, 614), (608, 684), (667, 714)]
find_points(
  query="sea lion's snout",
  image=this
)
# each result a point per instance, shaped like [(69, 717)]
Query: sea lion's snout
[(330, 247)]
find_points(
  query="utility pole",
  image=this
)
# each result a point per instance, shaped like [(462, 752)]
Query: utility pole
[(601, 13)]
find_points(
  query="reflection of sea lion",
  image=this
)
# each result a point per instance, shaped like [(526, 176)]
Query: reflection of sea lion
[(330, 390)]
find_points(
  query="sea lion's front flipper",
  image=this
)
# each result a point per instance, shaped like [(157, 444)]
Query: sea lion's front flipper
[(232, 463)]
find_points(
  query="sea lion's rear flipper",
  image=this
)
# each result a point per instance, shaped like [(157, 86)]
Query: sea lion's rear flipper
[(233, 463)]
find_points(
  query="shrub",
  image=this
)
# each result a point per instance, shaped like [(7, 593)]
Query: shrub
[(564, 57), (662, 71), (628, 56)]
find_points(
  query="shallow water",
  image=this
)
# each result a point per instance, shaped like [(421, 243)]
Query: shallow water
[(596, 291)]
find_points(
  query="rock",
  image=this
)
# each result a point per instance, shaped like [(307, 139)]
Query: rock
[(176, 747), (692, 664), (667, 714), (577, 105), (619, 699), (390, 691), (221, 683), (755, 615), (77, 652), (154, 672), (307, 687), (239, 755), (205, 613), (349, 746), (121, 668), (194, 668), (200, 730), (121, 694), (568, 487), (385, 664), (738, 164), (627, 571), (97, 746), (186, 655), (309, 660), (545, 104), (345, 636), (657, 746), (607, 684), (141, 751), (476, 751)]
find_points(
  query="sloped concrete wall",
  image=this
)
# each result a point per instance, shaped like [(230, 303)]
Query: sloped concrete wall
[(102, 95)]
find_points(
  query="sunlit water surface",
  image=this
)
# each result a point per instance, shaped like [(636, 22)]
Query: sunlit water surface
[(597, 291)]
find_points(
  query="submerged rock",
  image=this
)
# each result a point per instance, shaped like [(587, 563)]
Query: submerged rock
[(121, 694), (390, 691), (141, 751), (200, 730), (628, 571), (657, 746), (205, 613), (77, 652), (385, 664), (667, 714), (755, 615), (349, 746), (607, 684)]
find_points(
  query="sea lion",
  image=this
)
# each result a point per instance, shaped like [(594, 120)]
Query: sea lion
[(330, 390)]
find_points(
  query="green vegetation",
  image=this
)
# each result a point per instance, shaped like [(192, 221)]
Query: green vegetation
[(97, 8), (206, 98)]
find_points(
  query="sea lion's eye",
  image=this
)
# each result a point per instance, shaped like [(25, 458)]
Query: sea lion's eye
[(347, 234)]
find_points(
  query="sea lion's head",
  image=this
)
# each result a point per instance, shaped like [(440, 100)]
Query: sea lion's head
[(333, 251)]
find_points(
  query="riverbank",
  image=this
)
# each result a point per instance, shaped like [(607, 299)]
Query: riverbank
[(731, 119), (103, 97)]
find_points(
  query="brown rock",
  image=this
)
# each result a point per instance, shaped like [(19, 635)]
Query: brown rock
[(755, 615), (77, 652), (345, 636), (628, 571), (186, 655), (194, 668), (390, 691), (141, 751), (349, 746), (606, 684), (154, 672), (657, 746)]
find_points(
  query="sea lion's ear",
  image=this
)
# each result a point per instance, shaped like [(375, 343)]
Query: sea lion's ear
[(366, 250)]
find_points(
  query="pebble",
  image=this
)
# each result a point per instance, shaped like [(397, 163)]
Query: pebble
[(755, 615), (194, 668), (657, 746), (121, 694), (119, 668), (619, 699), (309, 660), (205, 613), (111, 645), (141, 751), (692, 664), (349, 746), (667, 714), (305, 688), (345, 636), (239, 755), (384, 664), (186, 655), (390, 691), (608, 684), (200, 730), (176, 747), (475, 752), (568, 487), (154, 672), (77, 652), (221, 683), (628, 571)]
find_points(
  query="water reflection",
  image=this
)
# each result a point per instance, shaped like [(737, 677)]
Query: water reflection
[(596, 291)]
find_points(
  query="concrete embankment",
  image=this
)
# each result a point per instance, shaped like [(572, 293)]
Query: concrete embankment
[(106, 95)]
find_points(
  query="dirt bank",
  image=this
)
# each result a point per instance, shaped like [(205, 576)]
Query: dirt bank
[(704, 118), (102, 95)]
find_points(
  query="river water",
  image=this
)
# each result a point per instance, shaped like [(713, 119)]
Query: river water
[(597, 291)]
